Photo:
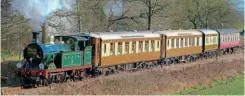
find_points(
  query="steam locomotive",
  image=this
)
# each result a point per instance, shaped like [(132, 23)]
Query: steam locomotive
[(75, 56), (46, 63)]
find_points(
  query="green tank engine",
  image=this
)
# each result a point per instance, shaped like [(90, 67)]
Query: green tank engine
[(68, 54), (68, 51)]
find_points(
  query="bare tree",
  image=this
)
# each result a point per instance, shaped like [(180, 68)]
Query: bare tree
[(154, 7), (14, 27), (207, 13)]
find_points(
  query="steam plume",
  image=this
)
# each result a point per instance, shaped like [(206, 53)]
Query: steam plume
[(38, 10)]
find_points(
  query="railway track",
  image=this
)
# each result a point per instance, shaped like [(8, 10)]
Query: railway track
[(17, 89)]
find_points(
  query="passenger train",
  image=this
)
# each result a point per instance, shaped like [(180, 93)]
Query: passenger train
[(76, 56)]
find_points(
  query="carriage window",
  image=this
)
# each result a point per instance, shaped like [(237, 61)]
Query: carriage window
[(168, 43), (126, 47), (146, 46), (181, 43), (104, 48), (232, 37), (158, 44), (235, 37), (197, 41), (222, 39), (207, 41), (177, 43), (215, 40), (152, 45), (140, 46), (133, 47), (172, 43), (238, 37), (193, 41), (228, 38), (225, 38), (186, 41), (200, 41), (210, 40), (112, 49), (119, 51), (190, 42)]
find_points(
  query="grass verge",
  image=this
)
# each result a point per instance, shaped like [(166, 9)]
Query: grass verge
[(230, 86)]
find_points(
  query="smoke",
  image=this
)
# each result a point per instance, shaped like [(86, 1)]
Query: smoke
[(38, 10)]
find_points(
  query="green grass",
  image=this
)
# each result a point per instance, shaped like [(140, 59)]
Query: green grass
[(231, 86)]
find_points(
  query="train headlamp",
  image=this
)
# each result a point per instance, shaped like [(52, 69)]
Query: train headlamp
[(41, 66), (19, 65)]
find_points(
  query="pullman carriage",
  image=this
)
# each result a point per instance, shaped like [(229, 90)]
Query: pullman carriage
[(126, 47), (229, 39), (181, 45), (210, 42)]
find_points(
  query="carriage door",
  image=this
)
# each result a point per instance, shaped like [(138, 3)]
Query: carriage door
[(95, 51), (163, 46)]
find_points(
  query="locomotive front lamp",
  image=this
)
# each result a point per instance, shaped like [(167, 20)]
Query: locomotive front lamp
[(41, 66), (19, 65)]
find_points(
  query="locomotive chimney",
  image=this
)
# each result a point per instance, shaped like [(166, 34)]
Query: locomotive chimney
[(35, 37), (44, 33)]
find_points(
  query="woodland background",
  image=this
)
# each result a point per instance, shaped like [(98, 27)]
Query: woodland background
[(122, 15)]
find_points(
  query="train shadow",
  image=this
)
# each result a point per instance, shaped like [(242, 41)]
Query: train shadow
[(8, 77)]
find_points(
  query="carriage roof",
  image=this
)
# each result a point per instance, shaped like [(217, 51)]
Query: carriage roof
[(208, 31), (180, 32), (227, 31), (124, 35)]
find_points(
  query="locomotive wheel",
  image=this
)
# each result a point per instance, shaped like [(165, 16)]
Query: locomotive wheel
[(25, 82), (45, 82), (62, 78)]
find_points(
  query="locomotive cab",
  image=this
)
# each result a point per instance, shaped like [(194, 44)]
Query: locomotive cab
[(76, 42)]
